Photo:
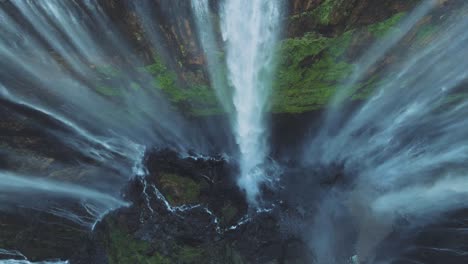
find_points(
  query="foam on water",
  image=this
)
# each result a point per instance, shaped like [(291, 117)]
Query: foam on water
[(250, 31)]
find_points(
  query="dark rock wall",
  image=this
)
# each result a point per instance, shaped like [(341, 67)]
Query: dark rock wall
[(318, 30)]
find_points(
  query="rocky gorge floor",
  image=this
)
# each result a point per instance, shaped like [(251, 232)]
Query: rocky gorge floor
[(187, 210)]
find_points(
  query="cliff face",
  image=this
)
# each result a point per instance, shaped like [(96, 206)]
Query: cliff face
[(176, 25), (196, 215), (321, 40), (331, 17)]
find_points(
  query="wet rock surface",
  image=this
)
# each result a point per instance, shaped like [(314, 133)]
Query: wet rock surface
[(188, 209), (217, 227), (39, 236)]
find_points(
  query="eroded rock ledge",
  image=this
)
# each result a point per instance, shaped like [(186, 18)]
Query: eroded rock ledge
[(189, 210)]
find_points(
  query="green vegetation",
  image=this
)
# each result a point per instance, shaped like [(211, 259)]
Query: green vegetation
[(228, 212), (196, 99), (313, 67), (309, 72), (200, 98), (135, 86), (233, 257), (382, 28), (107, 74), (122, 248), (324, 12), (425, 34), (164, 79), (190, 255), (179, 190), (107, 90), (450, 101), (365, 90), (55, 234)]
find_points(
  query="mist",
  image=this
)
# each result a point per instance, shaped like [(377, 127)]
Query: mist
[(403, 151)]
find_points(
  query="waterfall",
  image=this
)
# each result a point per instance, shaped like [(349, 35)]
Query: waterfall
[(88, 88), (58, 64), (404, 149), (375, 53), (250, 30), (95, 204), (213, 54), (110, 98)]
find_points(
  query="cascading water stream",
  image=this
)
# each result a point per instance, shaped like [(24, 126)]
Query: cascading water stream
[(66, 28), (58, 62), (215, 63), (404, 150), (400, 155), (250, 31), (95, 203)]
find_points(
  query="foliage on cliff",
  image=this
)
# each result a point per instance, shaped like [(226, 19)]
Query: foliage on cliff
[(313, 67), (312, 63)]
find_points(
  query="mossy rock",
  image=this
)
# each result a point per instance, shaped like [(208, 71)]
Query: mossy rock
[(309, 71), (191, 255), (199, 97), (330, 11), (228, 213), (313, 67), (179, 190), (382, 28), (123, 248)]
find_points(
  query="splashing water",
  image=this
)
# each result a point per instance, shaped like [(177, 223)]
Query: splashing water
[(404, 149), (378, 51), (206, 34), (251, 24), (74, 82), (57, 59), (250, 30), (95, 204)]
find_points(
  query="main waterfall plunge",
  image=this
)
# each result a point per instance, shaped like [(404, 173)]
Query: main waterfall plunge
[(95, 120), (250, 30)]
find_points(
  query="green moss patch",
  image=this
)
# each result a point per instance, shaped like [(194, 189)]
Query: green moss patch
[(313, 67), (122, 248), (324, 12), (228, 212), (382, 28), (195, 99), (179, 190), (309, 72), (107, 90), (191, 255)]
